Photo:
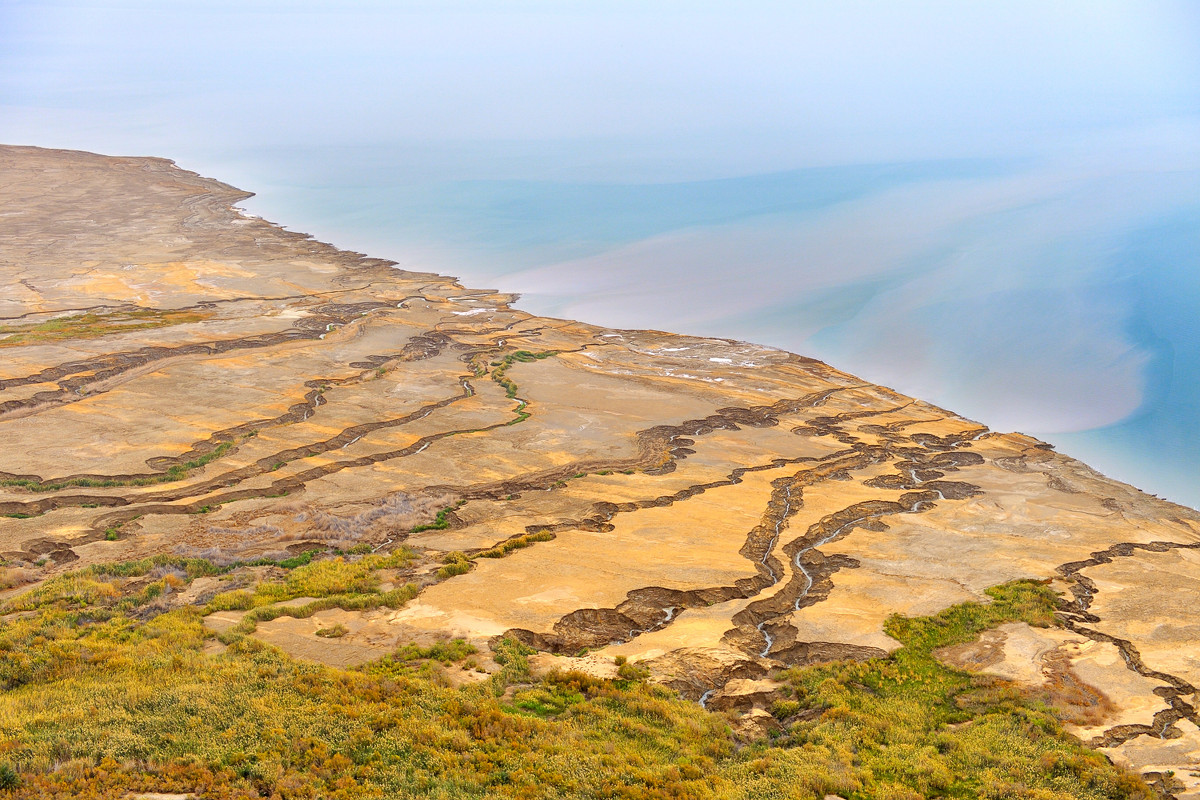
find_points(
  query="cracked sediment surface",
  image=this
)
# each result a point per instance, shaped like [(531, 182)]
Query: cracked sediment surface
[(178, 377)]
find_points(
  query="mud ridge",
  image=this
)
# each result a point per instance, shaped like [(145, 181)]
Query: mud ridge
[(232, 478), (658, 450), (151, 504), (761, 627), (811, 581), (91, 373), (651, 608), (646, 610), (1074, 612)]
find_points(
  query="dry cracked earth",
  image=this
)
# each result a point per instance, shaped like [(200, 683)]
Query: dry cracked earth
[(179, 377)]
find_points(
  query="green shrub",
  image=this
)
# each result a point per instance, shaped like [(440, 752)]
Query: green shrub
[(515, 543), (454, 563), (441, 521), (335, 632), (236, 600), (446, 652), (9, 778), (632, 672), (782, 709)]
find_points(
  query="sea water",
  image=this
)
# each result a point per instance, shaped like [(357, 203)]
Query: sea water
[(1055, 298)]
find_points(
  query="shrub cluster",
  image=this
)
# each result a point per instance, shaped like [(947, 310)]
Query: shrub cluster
[(104, 703), (515, 543)]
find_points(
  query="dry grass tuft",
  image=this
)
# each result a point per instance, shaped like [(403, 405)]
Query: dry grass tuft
[(392, 517), (12, 577)]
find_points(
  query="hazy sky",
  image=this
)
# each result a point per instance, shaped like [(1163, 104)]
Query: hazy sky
[(1007, 221), (686, 86)]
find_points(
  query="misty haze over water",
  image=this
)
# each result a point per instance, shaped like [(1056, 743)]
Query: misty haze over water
[(994, 207)]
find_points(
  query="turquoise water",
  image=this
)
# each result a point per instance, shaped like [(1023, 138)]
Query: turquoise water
[(1056, 300), (509, 225), (1158, 275)]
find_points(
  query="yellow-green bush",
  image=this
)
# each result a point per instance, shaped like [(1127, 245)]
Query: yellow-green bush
[(921, 729), (454, 563), (333, 576)]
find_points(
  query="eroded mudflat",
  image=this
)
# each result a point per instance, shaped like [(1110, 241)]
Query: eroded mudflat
[(179, 378)]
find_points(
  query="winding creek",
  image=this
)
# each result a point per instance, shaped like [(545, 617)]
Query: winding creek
[(797, 559)]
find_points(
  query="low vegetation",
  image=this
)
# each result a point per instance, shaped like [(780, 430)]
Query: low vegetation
[(909, 726), (333, 632), (176, 472), (515, 543), (111, 690), (454, 563), (443, 652), (395, 515), (90, 325), (498, 373), (441, 520), (352, 584), (12, 577)]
